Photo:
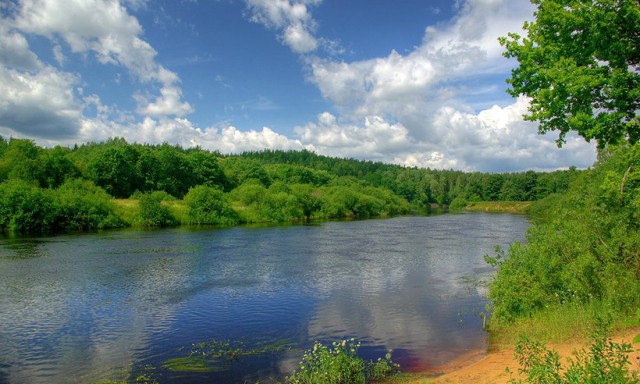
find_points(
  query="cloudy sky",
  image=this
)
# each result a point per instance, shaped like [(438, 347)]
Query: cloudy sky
[(411, 82)]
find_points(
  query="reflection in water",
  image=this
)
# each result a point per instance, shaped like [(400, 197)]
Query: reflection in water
[(23, 249), (413, 298), (82, 308)]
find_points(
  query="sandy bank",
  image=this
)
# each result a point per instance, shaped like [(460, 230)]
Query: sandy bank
[(482, 368)]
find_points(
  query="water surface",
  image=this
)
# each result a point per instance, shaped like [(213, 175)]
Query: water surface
[(95, 307)]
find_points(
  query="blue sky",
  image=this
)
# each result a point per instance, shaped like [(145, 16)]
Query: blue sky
[(412, 82)]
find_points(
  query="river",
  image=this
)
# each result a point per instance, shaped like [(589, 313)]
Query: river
[(107, 306)]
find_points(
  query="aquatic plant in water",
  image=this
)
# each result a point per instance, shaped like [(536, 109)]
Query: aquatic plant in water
[(340, 364), (219, 355)]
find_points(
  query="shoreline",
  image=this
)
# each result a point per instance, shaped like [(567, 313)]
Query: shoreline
[(489, 367)]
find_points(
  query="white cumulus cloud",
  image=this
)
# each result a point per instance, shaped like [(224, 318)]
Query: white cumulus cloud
[(438, 104), (226, 139), (292, 18), (106, 29), (496, 138), (35, 99), (42, 104)]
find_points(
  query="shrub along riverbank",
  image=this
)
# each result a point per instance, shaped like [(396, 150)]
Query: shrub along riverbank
[(579, 268), (583, 248), (63, 189), (499, 206)]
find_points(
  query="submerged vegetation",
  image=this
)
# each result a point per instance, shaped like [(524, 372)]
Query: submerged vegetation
[(219, 355), (338, 363), (117, 184)]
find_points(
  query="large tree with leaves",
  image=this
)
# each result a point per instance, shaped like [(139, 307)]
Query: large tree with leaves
[(580, 66)]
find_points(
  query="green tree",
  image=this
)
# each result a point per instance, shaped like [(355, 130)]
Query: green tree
[(519, 187), (339, 201), (239, 169), (3, 146), (580, 65), (308, 199), (251, 192), (56, 167), (147, 169), (21, 160), (174, 170), (113, 168), (206, 170), (492, 184), (281, 207)]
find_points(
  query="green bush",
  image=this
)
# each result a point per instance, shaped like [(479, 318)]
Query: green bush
[(25, 208), (209, 205), (458, 203), (340, 364), (152, 213), (274, 204), (249, 193), (584, 245), (281, 207), (81, 205), (338, 201)]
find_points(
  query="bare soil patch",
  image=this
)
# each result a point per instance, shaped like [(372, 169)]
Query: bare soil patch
[(481, 368)]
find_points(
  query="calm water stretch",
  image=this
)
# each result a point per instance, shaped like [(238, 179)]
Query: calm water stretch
[(99, 307)]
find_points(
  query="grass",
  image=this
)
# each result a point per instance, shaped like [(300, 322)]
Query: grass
[(127, 210), (500, 206), (564, 323), (405, 378), (178, 209)]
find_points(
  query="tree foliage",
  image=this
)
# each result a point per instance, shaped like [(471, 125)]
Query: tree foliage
[(113, 168), (266, 186), (580, 66)]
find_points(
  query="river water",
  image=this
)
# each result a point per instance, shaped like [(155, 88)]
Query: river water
[(115, 305)]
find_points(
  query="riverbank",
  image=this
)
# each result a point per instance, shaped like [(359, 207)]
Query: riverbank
[(480, 367), (499, 206)]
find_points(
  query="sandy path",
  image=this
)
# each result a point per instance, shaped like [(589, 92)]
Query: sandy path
[(479, 368)]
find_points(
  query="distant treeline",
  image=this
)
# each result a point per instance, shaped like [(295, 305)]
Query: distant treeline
[(425, 186), (60, 188)]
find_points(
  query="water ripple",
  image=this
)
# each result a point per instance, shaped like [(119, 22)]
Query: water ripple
[(81, 308)]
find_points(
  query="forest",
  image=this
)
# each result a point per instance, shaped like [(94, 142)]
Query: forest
[(116, 184)]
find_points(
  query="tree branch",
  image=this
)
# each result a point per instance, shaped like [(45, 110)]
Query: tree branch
[(624, 180)]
